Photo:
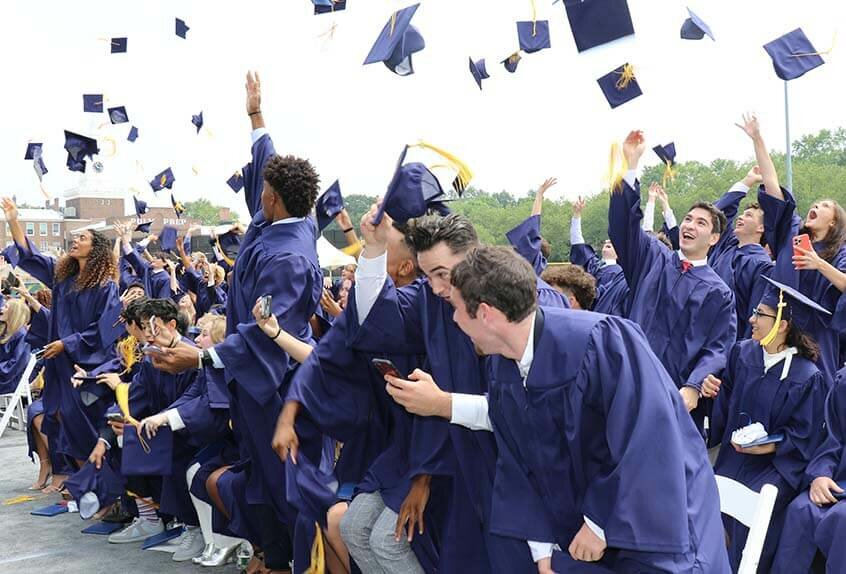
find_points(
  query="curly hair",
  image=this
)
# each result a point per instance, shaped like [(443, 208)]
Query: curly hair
[(99, 268), (574, 279), (45, 297), (295, 181)]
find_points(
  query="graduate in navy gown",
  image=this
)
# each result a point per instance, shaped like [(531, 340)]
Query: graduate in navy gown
[(770, 379), (154, 274), (612, 291), (343, 393), (683, 307), (418, 319), (738, 257), (526, 237), (84, 290), (14, 347), (277, 257), (816, 519), (596, 452), (813, 272)]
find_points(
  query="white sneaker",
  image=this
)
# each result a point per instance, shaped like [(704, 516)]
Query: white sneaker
[(190, 546), (138, 530)]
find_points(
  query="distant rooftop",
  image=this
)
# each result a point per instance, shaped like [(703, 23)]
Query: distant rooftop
[(29, 214)]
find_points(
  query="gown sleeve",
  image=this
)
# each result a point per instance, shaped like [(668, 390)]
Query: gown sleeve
[(526, 239), (253, 172), (36, 264)]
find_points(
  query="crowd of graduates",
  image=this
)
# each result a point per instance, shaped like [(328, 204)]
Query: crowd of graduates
[(447, 406)]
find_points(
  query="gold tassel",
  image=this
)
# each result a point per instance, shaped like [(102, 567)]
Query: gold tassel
[(393, 23), (825, 53), (130, 352), (626, 77), (534, 19), (122, 398), (774, 331), (318, 553), (464, 175), (617, 167), (669, 174)]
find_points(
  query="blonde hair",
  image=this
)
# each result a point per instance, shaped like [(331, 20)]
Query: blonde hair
[(216, 325), (218, 273), (17, 316)]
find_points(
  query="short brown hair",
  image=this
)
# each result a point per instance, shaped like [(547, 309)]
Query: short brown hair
[(573, 279), (499, 277), (718, 218), (455, 230)]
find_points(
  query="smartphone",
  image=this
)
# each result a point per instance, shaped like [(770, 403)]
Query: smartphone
[(151, 349), (264, 306), (114, 417), (38, 353), (86, 379), (386, 367), (802, 241)]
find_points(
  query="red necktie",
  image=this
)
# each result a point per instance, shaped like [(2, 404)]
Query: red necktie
[(686, 265)]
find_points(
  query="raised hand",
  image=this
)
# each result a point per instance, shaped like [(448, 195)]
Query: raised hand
[(343, 219), (633, 147), (578, 206), (662, 197), (10, 209), (253, 87), (753, 178), (375, 236), (549, 182), (653, 192), (750, 125)]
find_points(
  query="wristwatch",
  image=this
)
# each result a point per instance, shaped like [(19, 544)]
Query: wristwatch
[(206, 359)]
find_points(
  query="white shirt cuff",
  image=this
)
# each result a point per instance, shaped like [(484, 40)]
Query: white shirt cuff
[(174, 421), (740, 186), (595, 528), (649, 216), (256, 134), (105, 442), (370, 276), (670, 218), (144, 242), (631, 178), (576, 237), (471, 411), (126, 248), (218, 364), (541, 550)]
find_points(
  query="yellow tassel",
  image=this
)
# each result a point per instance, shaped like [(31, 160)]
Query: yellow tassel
[(130, 352), (163, 180), (669, 174), (774, 331), (393, 23), (464, 175), (825, 53), (20, 499), (122, 398), (534, 19), (617, 167), (38, 383), (626, 77), (318, 553)]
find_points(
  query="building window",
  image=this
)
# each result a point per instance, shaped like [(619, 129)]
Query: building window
[(42, 229), (44, 245), (56, 230), (30, 229)]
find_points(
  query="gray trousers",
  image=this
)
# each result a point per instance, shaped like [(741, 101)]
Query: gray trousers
[(368, 529)]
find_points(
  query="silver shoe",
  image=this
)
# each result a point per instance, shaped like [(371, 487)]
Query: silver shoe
[(206, 555), (221, 556)]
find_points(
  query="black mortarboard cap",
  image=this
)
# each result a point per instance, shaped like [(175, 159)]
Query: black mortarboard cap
[(140, 206), (412, 188), (793, 55), (119, 45), (695, 28), (477, 69), (79, 146), (511, 62), (39, 167), (177, 206), (397, 42), (181, 28), (167, 238), (118, 115), (329, 205), (92, 103), (327, 6), (133, 134), (162, 180), (533, 35), (236, 182), (33, 150), (143, 227), (597, 22), (620, 86), (667, 153), (197, 120)]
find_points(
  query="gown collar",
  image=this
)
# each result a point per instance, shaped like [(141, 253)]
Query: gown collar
[(774, 359)]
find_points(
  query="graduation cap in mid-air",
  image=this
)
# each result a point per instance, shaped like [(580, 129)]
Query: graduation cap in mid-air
[(329, 205), (162, 180), (236, 182), (143, 227), (177, 206), (598, 22), (511, 62), (197, 120), (39, 167), (793, 55), (167, 238), (695, 28), (181, 28), (667, 154), (620, 85), (118, 45), (397, 42), (79, 147), (478, 71), (133, 134), (328, 6), (92, 103), (33, 150), (140, 206), (118, 115), (533, 35)]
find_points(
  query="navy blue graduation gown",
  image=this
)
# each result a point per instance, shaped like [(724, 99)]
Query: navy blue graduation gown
[(599, 430), (739, 267), (156, 284), (204, 412), (413, 320), (281, 261), (39, 328), (781, 225), (73, 319), (612, 291), (688, 318), (792, 406), (526, 239), (808, 527), (152, 392), (14, 357)]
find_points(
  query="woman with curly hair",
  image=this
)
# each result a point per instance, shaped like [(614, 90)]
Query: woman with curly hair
[(84, 291)]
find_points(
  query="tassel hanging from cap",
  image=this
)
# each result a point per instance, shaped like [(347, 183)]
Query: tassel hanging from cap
[(626, 77), (534, 19), (823, 53), (669, 173), (774, 331), (463, 176)]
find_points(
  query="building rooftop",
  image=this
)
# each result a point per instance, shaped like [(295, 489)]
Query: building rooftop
[(30, 214)]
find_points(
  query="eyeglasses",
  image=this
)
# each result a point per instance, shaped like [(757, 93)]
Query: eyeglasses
[(756, 313)]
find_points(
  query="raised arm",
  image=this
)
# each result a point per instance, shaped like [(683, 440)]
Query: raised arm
[(139, 265), (537, 206), (11, 211), (262, 149), (769, 175), (581, 253), (39, 266)]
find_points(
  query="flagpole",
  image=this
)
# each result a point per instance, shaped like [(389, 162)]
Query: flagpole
[(788, 143)]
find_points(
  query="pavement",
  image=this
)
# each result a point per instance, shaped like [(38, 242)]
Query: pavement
[(56, 545)]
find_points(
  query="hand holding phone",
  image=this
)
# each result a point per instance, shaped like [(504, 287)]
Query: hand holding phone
[(386, 367), (265, 306), (802, 241), (114, 417), (151, 349)]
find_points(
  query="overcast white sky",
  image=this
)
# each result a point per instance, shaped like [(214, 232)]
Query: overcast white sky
[(548, 119)]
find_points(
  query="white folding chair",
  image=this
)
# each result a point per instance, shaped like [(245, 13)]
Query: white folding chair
[(14, 401), (754, 510)]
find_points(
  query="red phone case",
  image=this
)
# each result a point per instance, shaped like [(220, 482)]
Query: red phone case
[(802, 241)]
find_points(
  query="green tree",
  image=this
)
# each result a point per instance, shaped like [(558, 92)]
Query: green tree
[(204, 210)]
